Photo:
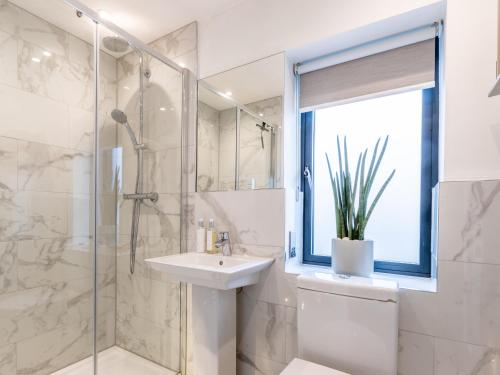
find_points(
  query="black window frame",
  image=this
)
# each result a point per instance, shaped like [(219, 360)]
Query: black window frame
[(429, 178)]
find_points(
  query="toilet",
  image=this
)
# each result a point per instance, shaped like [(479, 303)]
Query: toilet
[(345, 326)]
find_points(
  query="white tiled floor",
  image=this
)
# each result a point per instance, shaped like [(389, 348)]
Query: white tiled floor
[(116, 361)]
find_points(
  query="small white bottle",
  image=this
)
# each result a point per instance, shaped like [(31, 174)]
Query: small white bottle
[(211, 237), (201, 237)]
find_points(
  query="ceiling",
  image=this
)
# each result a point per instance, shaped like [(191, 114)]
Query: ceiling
[(147, 20)]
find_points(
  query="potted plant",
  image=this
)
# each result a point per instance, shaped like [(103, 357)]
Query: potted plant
[(352, 254)]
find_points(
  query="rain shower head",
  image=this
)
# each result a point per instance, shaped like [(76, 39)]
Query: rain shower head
[(119, 45), (119, 116), (115, 44)]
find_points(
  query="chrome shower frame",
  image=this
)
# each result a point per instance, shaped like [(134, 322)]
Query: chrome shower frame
[(187, 83)]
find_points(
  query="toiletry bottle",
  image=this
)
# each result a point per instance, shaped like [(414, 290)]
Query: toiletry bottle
[(201, 237), (211, 237)]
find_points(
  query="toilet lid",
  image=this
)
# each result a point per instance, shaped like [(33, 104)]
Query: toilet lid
[(301, 367)]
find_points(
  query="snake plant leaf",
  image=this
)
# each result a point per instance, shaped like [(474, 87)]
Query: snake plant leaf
[(362, 189), (339, 192), (379, 194), (351, 196), (341, 170), (372, 163), (358, 166), (332, 179), (342, 232), (377, 164)]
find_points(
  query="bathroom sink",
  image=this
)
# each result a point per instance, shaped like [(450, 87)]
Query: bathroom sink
[(214, 280), (212, 271)]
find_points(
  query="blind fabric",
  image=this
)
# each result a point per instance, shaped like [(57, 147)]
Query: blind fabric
[(411, 65)]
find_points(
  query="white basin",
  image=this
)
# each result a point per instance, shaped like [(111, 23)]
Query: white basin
[(214, 279), (212, 271)]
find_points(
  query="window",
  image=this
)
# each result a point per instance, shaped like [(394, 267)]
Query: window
[(401, 223)]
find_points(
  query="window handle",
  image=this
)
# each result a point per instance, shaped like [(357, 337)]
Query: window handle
[(308, 176)]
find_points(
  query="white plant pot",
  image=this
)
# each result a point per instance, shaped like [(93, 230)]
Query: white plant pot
[(352, 257)]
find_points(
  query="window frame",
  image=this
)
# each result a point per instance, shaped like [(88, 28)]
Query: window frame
[(429, 178)]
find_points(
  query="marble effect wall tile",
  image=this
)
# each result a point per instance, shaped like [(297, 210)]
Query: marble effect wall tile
[(261, 328), (49, 168), (179, 42), (135, 294), (8, 164), (81, 130), (29, 313), (52, 261), (8, 59), (275, 285), (463, 309), (415, 354), (468, 214), (460, 320), (468, 303), (45, 122), (8, 267), (256, 365), (158, 344), (8, 360), (66, 345), (231, 212), (55, 77), (26, 26), (458, 358), (32, 214), (162, 171), (291, 339), (147, 247)]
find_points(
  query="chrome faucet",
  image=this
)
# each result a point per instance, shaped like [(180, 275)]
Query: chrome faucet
[(225, 243)]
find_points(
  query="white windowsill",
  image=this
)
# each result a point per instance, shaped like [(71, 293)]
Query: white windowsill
[(423, 284)]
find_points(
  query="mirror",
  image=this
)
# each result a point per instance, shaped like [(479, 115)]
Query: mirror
[(240, 115)]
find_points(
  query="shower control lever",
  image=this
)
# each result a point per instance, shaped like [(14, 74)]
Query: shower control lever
[(153, 197)]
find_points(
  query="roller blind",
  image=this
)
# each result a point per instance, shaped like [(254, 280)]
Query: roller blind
[(411, 65)]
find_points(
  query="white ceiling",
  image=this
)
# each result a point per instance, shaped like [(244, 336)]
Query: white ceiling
[(147, 20)]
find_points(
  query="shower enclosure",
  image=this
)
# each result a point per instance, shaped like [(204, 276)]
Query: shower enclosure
[(92, 129)]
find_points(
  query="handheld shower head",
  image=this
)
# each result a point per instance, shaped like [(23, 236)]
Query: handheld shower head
[(263, 128), (121, 118)]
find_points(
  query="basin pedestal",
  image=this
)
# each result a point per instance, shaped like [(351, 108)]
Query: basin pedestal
[(214, 331), (215, 279)]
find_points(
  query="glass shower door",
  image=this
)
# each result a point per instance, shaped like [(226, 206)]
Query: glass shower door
[(46, 164), (146, 171)]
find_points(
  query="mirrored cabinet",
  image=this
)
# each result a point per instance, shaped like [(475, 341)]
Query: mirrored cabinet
[(496, 87), (240, 115)]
